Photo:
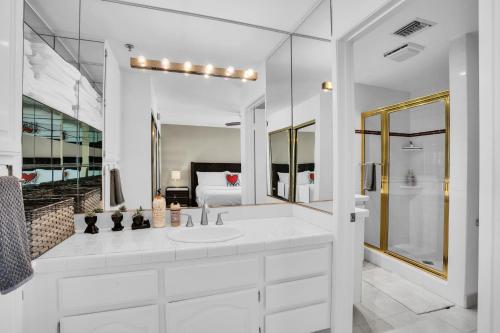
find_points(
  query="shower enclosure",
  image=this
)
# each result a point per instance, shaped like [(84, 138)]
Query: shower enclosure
[(405, 172)]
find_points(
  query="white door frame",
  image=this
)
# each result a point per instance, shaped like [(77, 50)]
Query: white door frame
[(344, 166), (489, 167)]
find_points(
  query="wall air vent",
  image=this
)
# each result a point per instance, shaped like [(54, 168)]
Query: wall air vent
[(404, 52), (417, 25)]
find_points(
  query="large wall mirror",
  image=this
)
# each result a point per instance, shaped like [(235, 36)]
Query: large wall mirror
[(211, 139)]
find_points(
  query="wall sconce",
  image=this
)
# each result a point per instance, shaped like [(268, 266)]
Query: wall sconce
[(327, 86), (187, 68)]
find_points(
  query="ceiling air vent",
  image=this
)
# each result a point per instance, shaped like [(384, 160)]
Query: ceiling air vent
[(404, 52), (417, 25)]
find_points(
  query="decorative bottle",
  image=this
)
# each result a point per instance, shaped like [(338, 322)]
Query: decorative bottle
[(159, 210)]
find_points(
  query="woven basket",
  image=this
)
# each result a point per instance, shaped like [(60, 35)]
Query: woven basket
[(49, 222), (85, 199)]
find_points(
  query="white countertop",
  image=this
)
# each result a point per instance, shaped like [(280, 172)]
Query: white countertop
[(130, 247)]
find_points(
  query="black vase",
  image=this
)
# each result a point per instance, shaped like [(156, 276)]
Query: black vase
[(91, 227), (138, 222), (117, 220)]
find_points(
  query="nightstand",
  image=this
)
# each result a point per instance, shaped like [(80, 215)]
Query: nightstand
[(179, 194)]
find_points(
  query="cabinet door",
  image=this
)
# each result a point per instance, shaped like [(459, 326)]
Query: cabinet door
[(235, 312), (135, 320)]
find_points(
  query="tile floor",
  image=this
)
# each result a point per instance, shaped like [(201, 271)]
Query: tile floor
[(379, 313)]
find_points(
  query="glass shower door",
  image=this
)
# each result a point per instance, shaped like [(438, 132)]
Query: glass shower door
[(418, 184)]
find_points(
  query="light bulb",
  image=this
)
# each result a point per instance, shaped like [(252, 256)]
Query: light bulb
[(249, 73), (186, 74), (209, 68), (229, 71), (165, 63), (188, 65), (206, 76), (142, 60), (243, 80)]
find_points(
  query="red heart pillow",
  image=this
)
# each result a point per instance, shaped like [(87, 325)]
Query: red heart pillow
[(233, 179), (29, 177), (311, 177)]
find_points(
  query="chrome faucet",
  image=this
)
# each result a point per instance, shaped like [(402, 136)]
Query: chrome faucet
[(204, 215), (219, 218)]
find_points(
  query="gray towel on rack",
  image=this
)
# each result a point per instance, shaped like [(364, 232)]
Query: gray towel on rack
[(115, 186), (15, 257), (370, 177)]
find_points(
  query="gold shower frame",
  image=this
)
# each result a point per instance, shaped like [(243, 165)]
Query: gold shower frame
[(384, 113)]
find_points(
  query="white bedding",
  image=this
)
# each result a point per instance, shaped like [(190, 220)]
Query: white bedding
[(303, 193), (215, 195)]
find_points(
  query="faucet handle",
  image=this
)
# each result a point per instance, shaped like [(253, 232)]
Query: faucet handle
[(189, 221), (219, 218)]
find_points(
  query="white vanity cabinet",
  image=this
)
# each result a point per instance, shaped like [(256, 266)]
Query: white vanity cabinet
[(286, 290)]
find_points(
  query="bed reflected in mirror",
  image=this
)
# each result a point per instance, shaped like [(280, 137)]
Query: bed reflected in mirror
[(279, 160), (305, 137)]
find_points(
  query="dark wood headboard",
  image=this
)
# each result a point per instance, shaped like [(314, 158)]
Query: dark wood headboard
[(208, 167), (305, 167)]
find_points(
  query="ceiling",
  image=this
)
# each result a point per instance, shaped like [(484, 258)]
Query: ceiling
[(194, 100), (157, 34), (454, 18)]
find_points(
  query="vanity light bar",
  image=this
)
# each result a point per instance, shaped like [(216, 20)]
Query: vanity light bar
[(161, 65)]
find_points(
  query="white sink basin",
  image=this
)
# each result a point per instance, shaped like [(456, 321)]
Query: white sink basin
[(205, 234)]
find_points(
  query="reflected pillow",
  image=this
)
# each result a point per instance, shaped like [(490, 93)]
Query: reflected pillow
[(303, 178), (211, 178), (311, 177), (30, 177), (284, 177), (233, 179)]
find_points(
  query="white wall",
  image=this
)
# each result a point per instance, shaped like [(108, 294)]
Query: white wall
[(464, 172), (251, 92), (11, 50), (182, 145), (489, 154), (112, 119), (135, 156)]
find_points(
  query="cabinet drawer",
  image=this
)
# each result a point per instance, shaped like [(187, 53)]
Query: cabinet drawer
[(297, 264), (134, 320), (236, 312), (207, 278), (107, 291), (303, 320), (297, 293)]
